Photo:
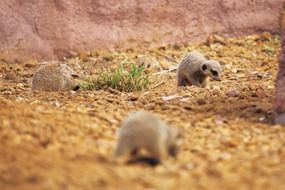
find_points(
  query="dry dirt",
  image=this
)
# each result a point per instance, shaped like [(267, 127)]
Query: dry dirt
[(62, 140)]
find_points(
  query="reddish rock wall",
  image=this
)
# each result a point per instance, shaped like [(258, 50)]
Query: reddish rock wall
[(55, 28), (280, 82)]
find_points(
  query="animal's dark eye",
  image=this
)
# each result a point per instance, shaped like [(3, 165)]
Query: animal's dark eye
[(215, 73), (204, 67), (173, 151)]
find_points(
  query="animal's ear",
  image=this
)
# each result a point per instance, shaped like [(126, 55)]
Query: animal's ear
[(204, 67)]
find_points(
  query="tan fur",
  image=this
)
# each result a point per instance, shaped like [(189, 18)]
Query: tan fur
[(143, 131), (54, 76), (190, 70)]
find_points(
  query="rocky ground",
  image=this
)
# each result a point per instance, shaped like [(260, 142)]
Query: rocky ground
[(63, 140)]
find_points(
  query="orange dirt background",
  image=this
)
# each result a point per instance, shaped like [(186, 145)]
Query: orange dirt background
[(64, 140)]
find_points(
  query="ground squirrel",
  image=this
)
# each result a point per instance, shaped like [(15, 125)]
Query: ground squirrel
[(142, 132), (54, 76), (194, 69)]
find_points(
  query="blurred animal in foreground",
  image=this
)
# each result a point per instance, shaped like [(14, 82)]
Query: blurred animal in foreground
[(144, 136)]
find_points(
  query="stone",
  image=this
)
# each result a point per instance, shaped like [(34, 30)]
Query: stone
[(233, 93), (201, 101), (148, 62), (216, 39), (265, 36), (165, 65)]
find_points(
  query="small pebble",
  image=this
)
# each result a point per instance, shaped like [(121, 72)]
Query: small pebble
[(233, 93), (201, 101)]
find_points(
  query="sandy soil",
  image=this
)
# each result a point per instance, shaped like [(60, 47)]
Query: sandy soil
[(63, 140)]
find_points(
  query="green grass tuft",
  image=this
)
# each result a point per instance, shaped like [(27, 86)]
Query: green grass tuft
[(123, 78), (86, 84)]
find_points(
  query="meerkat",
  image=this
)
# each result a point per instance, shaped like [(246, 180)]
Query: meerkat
[(143, 131), (194, 69), (54, 76)]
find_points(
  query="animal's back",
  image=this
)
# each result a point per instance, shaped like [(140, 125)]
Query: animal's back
[(191, 61), (53, 77), (48, 77), (141, 131), (142, 127)]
